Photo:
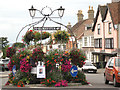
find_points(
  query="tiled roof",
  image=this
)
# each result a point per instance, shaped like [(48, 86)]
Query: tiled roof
[(79, 28), (114, 9), (102, 10)]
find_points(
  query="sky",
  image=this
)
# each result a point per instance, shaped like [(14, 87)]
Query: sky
[(14, 14)]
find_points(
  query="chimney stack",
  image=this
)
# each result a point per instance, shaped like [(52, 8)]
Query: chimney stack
[(69, 26), (80, 15), (90, 13)]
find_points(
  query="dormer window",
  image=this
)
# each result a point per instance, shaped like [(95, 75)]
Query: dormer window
[(98, 28), (88, 27)]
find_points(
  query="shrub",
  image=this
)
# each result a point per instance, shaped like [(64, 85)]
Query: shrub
[(78, 57), (62, 83), (10, 52), (48, 82), (38, 54), (24, 65)]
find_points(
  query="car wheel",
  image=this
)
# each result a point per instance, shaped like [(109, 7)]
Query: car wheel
[(106, 81), (94, 71), (114, 82)]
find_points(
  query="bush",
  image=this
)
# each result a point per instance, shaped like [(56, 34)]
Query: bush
[(38, 54), (78, 57), (10, 52)]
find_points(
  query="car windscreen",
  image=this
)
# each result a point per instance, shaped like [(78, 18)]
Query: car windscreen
[(88, 64), (117, 62)]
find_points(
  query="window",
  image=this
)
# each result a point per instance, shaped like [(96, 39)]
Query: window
[(98, 28), (85, 41), (109, 43), (88, 27), (110, 28), (98, 43), (92, 41), (111, 63), (117, 60)]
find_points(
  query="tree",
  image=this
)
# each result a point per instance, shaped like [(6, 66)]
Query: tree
[(3, 45)]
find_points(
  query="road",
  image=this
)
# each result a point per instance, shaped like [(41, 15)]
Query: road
[(96, 80)]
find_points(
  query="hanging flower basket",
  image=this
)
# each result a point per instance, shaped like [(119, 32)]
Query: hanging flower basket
[(61, 36), (45, 35), (28, 36)]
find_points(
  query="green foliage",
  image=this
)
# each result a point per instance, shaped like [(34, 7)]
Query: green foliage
[(4, 51), (78, 57), (16, 58), (3, 42), (61, 36), (38, 54), (18, 45)]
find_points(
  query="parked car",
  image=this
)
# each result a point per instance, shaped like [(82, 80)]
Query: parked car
[(89, 67), (5, 63), (112, 71), (2, 67)]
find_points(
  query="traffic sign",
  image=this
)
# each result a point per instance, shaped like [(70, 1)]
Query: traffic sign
[(73, 71), (14, 70)]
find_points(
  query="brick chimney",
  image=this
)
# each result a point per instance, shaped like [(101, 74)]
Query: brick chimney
[(90, 13), (80, 15), (115, 0), (69, 26)]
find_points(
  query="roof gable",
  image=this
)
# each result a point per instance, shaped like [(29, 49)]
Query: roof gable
[(103, 12)]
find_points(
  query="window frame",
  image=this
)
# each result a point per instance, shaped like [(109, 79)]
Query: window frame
[(98, 28), (109, 43), (110, 28), (98, 43)]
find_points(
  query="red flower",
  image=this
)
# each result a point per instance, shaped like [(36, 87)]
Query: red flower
[(31, 30), (18, 86)]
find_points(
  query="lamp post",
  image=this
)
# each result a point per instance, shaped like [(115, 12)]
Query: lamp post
[(45, 17)]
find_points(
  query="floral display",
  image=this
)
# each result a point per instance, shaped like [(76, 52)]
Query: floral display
[(61, 83), (49, 82), (34, 36), (61, 36), (29, 36), (10, 52), (25, 66), (10, 66), (45, 35), (77, 57), (38, 54), (66, 66), (57, 62)]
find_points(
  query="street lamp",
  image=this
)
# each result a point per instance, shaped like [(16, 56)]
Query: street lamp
[(45, 17), (60, 10)]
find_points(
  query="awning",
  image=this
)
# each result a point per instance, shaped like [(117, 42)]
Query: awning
[(104, 53)]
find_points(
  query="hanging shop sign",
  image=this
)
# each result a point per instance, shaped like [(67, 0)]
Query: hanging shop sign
[(41, 71), (47, 28), (74, 71)]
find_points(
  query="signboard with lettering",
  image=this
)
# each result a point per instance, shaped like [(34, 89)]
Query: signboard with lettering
[(41, 71), (47, 28)]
